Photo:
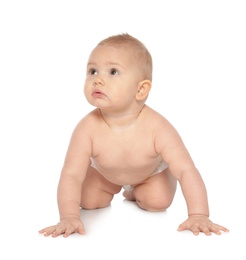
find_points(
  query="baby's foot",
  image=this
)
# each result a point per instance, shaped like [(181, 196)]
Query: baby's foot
[(129, 195)]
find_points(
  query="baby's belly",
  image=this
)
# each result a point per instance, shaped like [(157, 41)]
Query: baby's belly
[(127, 173)]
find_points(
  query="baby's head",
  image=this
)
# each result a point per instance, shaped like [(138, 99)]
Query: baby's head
[(119, 74), (135, 48)]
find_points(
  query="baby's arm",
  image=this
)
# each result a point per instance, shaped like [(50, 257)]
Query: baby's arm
[(182, 167), (195, 195), (70, 184)]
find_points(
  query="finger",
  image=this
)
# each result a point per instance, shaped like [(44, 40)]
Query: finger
[(195, 230), (81, 230), (222, 228), (181, 227), (216, 229), (44, 230), (205, 230), (71, 230), (58, 231), (48, 231), (68, 231)]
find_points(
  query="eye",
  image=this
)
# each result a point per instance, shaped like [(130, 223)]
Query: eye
[(92, 72), (114, 72)]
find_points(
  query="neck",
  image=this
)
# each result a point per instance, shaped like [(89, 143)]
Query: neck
[(121, 120)]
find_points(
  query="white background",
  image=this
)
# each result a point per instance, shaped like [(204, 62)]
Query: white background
[(198, 49)]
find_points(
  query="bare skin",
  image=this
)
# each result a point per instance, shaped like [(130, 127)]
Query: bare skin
[(126, 141)]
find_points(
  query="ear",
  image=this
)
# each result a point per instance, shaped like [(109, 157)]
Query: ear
[(143, 90)]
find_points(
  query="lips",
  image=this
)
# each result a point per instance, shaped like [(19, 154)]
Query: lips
[(98, 93)]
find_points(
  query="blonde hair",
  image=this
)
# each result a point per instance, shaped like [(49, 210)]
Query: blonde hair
[(141, 53)]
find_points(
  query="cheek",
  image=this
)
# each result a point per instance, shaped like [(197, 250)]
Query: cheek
[(124, 97), (87, 90)]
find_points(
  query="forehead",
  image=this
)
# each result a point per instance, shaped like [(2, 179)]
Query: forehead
[(108, 53)]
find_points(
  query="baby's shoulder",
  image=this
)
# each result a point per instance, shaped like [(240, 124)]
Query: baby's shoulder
[(158, 124), (154, 117), (90, 120)]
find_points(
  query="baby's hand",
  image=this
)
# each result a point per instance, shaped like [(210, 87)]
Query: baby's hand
[(201, 223), (67, 226)]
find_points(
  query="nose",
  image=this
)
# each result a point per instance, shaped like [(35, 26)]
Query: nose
[(97, 81)]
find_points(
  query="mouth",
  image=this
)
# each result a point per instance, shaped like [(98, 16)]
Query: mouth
[(97, 93)]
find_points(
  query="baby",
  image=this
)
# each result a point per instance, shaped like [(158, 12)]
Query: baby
[(125, 143)]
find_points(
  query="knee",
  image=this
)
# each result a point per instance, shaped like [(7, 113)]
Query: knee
[(93, 205), (95, 202), (153, 202), (157, 205), (90, 205)]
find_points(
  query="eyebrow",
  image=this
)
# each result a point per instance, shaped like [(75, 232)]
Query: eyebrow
[(108, 63)]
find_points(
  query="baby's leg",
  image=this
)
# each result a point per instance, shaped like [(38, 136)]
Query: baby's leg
[(97, 192), (155, 193)]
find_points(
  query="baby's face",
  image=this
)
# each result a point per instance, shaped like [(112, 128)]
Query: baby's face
[(112, 78)]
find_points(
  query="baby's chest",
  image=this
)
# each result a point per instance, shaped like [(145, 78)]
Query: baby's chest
[(127, 150)]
